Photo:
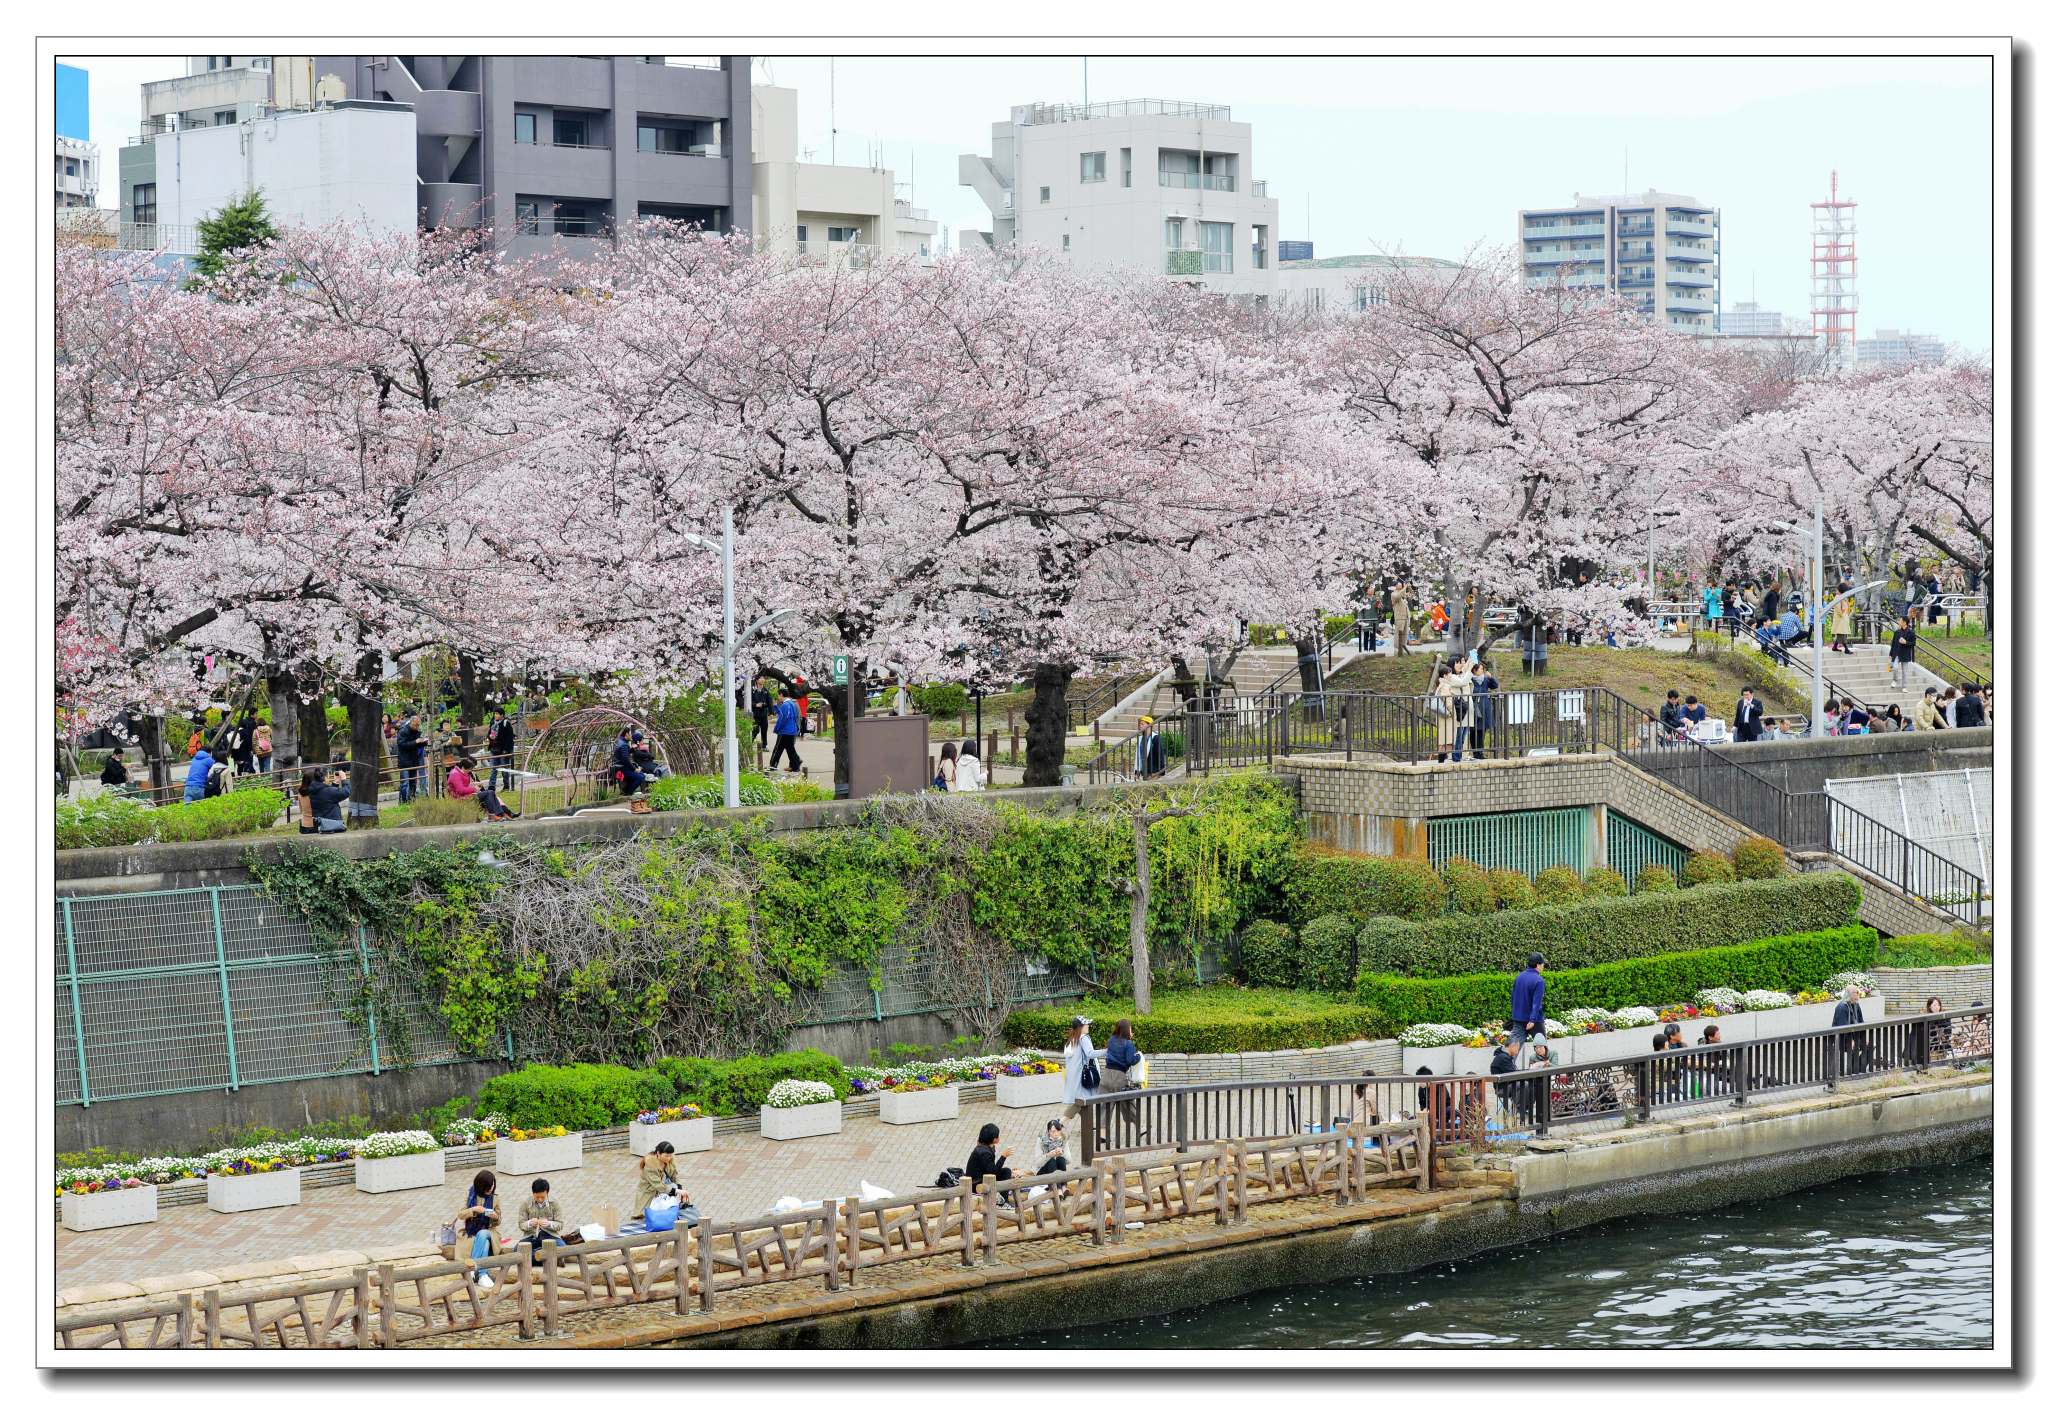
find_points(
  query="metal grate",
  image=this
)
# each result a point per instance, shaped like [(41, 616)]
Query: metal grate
[(1528, 840), (1630, 847)]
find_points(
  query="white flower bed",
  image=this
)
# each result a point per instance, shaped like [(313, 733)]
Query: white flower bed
[(382, 1144), (1433, 1036), (464, 1131), (162, 1170), (1719, 996), (1634, 1016), (1840, 980), (1766, 1000), (799, 1092)]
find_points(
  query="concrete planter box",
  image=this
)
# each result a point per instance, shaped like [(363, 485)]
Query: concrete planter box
[(379, 1174), (691, 1134), (924, 1105), (1456, 1060), (540, 1154), (786, 1124), (1030, 1090), (104, 1209), (231, 1195)]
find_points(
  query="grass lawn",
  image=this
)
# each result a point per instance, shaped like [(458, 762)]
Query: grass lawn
[(1639, 675), (1971, 650), (1213, 1019)]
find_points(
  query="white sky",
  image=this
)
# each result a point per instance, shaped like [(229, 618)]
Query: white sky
[(1434, 155)]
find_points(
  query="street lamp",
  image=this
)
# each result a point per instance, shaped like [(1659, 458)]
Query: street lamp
[(1650, 585), (730, 655)]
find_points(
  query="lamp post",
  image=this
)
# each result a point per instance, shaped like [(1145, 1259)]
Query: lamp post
[(730, 655), (1650, 585)]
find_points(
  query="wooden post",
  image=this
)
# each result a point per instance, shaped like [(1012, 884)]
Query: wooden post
[(1223, 1152), (1425, 1152), (832, 1245), (1101, 1196), (1242, 1183), (211, 1307), (187, 1323), (706, 1270), (364, 1338), (387, 1307), (1087, 1133), (550, 1288), (682, 1267), (966, 1226), (1117, 1193), (849, 1224), (529, 1310), (988, 1218), (1342, 1151)]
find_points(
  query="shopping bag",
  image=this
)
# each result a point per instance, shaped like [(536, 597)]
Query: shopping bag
[(1141, 1073), (661, 1213)]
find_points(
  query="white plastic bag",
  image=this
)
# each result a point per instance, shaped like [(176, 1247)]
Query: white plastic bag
[(870, 1191), (592, 1233), (1141, 1072)]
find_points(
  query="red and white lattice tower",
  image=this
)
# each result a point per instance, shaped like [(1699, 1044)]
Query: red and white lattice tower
[(1834, 276)]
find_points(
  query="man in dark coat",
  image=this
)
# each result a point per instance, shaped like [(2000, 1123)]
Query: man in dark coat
[(1525, 1007), (1749, 717)]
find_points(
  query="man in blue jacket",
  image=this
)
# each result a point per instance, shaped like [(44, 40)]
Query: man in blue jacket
[(1525, 1013), (195, 776), (789, 725)]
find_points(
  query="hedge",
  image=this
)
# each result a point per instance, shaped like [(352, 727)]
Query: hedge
[(1269, 954), (577, 1096), (1779, 963), (1167, 1034), (736, 1087), (1324, 881), (1610, 929), (1329, 953)]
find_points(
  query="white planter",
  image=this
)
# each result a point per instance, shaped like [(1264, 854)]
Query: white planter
[(381, 1173), (1031, 1089), (233, 1194), (924, 1105), (691, 1134), (540, 1154), (103, 1209), (786, 1124)]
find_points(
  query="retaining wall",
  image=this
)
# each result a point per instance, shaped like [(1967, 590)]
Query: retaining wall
[(1799, 766), (1906, 990)]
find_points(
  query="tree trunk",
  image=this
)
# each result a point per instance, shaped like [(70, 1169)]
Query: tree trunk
[(1045, 724), (316, 747), (149, 734), (284, 720), (469, 690), (1141, 902), (364, 698), (1184, 683)]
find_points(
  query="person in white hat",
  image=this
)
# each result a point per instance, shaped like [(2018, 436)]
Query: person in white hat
[(1080, 1057)]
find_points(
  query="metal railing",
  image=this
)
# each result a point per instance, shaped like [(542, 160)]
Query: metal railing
[(828, 1245), (1195, 180), (1539, 1099), (1908, 865), (1205, 1114), (1042, 112), (1954, 669)]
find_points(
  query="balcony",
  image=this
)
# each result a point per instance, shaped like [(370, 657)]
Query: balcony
[(1568, 256), (1688, 302), (1190, 180), (584, 146), (1258, 190), (1676, 225)]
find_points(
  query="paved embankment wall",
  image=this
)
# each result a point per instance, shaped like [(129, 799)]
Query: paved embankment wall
[(1799, 766), (1906, 991)]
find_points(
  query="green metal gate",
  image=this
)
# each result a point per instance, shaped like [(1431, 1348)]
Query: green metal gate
[(1630, 847), (1528, 840)]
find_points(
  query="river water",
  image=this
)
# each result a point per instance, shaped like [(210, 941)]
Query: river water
[(1898, 1259)]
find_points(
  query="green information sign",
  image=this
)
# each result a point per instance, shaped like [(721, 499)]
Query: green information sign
[(839, 668)]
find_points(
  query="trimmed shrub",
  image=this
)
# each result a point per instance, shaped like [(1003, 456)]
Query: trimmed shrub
[(1654, 878), (1269, 954), (736, 1087), (1466, 888), (1221, 1034), (708, 792), (1329, 953), (1560, 883), (1708, 868), (1933, 949), (940, 700), (104, 820), (1610, 929), (580, 1097), (1512, 890), (1780, 963), (1604, 882), (237, 812), (1359, 886), (1758, 858)]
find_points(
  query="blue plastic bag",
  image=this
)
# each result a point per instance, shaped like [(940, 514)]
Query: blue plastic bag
[(661, 1215)]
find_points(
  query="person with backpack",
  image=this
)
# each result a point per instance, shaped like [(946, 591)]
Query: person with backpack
[(789, 725), (245, 745), (1119, 1061), (499, 741)]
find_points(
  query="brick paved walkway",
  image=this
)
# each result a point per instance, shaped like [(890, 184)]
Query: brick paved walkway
[(739, 1178)]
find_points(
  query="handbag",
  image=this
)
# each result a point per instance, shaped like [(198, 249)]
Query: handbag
[(661, 1213), (574, 1236), (1091, 1076)]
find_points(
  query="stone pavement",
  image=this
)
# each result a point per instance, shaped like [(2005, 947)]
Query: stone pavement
[(739, 1178)]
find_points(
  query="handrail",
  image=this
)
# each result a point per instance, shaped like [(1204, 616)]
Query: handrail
[(1957, 671)]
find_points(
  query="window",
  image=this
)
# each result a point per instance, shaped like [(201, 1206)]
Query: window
[(571, 131), (1173, 233), (1126, 160), (1217, 248), (573, 219), (263, 64), (225, 118), (145, 203), (677, 141), (1066, 241), (803, 234), (1260, 245), (212, 63), (70, 166), (1045, 195), (1313, 297), (528, 217), (1094, 166), (842, 234), (1366, 296), (524, 128)]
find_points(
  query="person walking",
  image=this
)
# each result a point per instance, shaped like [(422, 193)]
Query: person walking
[(759, 707), (1117, 1062), (789, 725), (1749, 717), (969, 771), (1839, 625), (408, 744), (1082, 1077), (1904, 637), (946, 775), (264, 742), (1454, 697), (1402, 606), (1525, 1000)]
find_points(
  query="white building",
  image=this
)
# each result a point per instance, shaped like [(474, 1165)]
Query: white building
[(1888, 346), (1150, 186), (1660, 252), (1348, 282), (351, 160), (826, 212), (1747, 319), (78, 173)]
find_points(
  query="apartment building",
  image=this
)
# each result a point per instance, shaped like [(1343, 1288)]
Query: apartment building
[(1659, 252), (1150, 186), (1888, 346), (1348, 282), (77, 155), (828, 213)]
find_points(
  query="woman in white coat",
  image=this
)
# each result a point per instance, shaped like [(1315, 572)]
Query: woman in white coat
[(967, 770), (1080, 1055)]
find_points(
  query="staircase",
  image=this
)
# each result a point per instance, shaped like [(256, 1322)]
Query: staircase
[(1865, 675)]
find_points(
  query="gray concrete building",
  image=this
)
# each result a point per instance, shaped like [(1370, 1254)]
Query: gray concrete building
[(539, 146)]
